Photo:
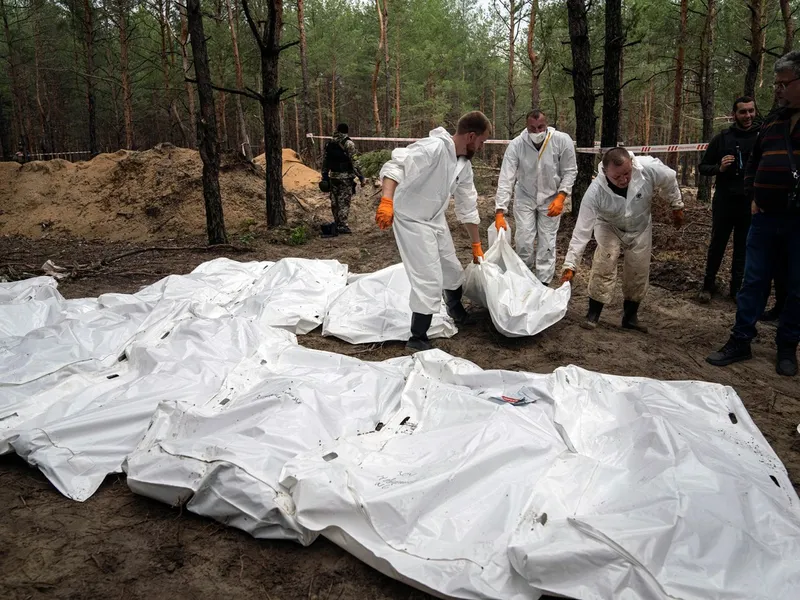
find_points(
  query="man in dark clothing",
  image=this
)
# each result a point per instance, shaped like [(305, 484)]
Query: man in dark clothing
[(771, 180), (340, 167), (726, 159)]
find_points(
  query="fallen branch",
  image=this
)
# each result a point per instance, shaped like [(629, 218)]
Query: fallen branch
[(296, 199), (106, 261)]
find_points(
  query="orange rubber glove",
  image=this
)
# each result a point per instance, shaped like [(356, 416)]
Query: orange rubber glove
[(385, 214), (557, 205), (567, 275), (500, 221), (677, 218), (477, 252)]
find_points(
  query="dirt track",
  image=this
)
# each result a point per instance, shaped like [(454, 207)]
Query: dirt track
[(118, 545)]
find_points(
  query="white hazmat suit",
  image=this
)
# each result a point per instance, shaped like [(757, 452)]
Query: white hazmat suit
[(536, 177), (428, 174), (621, 224)]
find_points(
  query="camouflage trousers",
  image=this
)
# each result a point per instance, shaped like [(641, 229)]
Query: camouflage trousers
[(341, 196)]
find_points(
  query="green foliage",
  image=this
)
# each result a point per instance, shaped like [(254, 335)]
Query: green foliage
[(298, 236), (247, 238), (371, 162), (452, 56)]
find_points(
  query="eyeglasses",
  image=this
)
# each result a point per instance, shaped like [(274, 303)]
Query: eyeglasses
[(782, 85)]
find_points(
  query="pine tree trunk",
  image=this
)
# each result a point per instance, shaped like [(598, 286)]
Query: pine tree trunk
[(788, 25), (127, 92), (376, 72), (677, 102), (611, 84), (757, 39), (307, 147), (623, 120), (268, 36), (397, 81), (184, 39), (511, 99), (533, 57), (6, 149), (386, 70), (320, 120), (248, 151), (44, 113), (206, 127), (333, 99), (706, 88), (297, 139), (88, 31), (583, 95)]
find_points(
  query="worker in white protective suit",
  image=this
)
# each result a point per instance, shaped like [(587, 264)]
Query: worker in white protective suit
[(539, 166), (418, 182), (616, 207)]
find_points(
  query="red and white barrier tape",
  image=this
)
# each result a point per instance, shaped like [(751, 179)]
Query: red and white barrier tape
[(650, 149), (596, 150)]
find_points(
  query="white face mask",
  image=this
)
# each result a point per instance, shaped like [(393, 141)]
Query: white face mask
[(538, 138)]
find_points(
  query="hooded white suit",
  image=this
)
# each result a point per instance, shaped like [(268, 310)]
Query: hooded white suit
[(536, 177), (429, 173), (621, 224)]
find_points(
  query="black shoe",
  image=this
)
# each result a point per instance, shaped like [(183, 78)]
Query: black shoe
[(343, 229), (630, 318), (733, 351), (593, 316), (419, 332), (786, 360), (772, 315), (328, 230), (456, 310)]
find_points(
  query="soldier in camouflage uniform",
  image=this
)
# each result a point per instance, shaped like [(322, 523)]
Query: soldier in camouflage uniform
[(340, 167)]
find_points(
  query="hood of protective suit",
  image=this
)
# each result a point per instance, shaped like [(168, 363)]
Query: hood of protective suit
[(636, 176)]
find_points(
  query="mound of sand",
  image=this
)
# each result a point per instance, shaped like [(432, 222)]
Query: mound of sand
[(297, 177), (130, 196)]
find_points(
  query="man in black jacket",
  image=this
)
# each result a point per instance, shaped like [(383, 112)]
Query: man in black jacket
[(772, 180), (340, 168), (726, 159)]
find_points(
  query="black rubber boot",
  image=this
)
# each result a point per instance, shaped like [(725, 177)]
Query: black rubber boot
[(593, 316), (419, 332), (456, 310), (630, 317), (786, 361), (733, 351)]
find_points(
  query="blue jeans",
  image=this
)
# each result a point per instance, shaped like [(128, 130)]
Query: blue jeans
[(773, 240)]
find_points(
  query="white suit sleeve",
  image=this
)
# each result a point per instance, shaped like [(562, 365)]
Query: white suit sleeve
[(508, 176), (666, 181), (466, 197), (567, 166), (587, 216), (409, 163)]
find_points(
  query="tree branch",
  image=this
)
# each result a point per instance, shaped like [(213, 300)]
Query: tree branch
[(252, 24), (289, 45), (248, 94)]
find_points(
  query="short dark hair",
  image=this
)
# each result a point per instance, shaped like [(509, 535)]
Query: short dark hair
[(741, 100), (616, 156), (535, 114), (474, 122), (342, 128)]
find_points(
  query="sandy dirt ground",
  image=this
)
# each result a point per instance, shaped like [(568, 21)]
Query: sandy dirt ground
[(118, 545)]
